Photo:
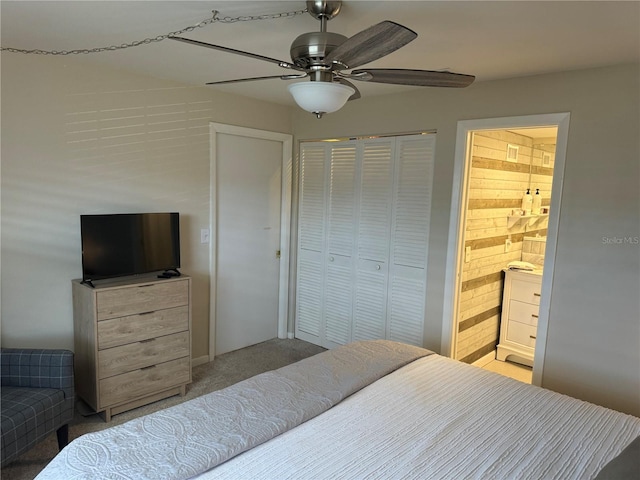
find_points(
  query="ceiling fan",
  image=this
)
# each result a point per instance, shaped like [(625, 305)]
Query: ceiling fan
[(325, 57)]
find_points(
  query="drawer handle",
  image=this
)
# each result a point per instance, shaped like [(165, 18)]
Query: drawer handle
[(534, 316), (532, 336), (147, 313), (145, 286), (148, 340), (536, 294), (148, 368)]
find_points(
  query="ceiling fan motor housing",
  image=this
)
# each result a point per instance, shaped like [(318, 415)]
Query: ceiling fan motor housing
[(310, 49)]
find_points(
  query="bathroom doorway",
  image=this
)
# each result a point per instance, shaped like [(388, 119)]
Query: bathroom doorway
[(504, 245)]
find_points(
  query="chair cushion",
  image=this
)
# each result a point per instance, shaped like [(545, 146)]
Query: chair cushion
[(29, 415)]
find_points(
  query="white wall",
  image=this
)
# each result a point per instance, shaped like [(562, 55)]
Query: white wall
[(593, 349), (79, 139), (52, 172)]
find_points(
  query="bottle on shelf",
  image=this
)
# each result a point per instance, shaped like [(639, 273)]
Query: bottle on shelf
[(536, 203), (527, 202)]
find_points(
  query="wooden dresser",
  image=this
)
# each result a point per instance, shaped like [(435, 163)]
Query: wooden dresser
[(132, 342)]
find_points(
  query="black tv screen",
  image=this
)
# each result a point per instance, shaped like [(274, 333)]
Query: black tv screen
[(122, 244)]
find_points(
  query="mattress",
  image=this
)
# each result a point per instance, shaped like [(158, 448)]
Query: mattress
[(369, 410)]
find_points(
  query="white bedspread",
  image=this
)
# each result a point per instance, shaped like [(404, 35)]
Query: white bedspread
[(183, 441), (439, 419)]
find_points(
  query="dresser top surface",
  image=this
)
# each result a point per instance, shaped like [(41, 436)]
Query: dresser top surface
[(128, 281)]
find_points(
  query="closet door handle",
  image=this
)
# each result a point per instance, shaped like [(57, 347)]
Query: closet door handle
[(331, 259), (378, 267)]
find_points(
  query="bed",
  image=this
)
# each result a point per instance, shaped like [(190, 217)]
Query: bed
[(367, 410)]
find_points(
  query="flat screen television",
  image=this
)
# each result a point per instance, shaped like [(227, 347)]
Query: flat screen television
[(123, 244)]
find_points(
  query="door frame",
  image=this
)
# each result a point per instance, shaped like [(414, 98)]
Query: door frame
[(285, 220), (455, 248)]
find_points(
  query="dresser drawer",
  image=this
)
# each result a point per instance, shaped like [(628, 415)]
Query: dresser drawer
[(521, 333), (528, 292), (133, 385), (135, 328), (523, 312), (119, 302), (117, 360)]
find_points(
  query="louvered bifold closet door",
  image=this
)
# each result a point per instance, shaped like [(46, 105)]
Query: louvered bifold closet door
[(374, 226), (341, 241), (409, 237), (363, 228), (311, 242)]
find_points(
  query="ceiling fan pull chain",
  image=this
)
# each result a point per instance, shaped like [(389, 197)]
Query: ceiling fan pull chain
[(213, 19), (250, 18)]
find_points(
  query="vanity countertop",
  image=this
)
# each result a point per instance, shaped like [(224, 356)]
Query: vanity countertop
[(536, 271)]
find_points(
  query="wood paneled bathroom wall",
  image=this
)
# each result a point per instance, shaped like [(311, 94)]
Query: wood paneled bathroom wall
[(496, 186)]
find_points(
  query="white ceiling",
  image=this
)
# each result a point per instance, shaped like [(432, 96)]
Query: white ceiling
[(491, 40)]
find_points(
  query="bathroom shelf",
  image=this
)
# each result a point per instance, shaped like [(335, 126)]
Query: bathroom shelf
[(531, 219)]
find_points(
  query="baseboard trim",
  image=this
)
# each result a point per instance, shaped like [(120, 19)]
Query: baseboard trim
[(482, 361), (200, 360)]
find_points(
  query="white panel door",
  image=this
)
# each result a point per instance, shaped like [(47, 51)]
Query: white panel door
[(409, 237), (248, 237)]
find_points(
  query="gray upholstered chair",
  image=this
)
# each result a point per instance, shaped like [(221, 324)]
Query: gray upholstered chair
[(37, 398)]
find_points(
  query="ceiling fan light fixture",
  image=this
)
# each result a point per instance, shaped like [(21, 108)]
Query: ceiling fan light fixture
[(320, 97)]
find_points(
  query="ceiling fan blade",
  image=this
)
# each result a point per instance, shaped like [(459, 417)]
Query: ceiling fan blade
[(251, 79), (370, 44), (423, 78), (356, 95), (281, 63)]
